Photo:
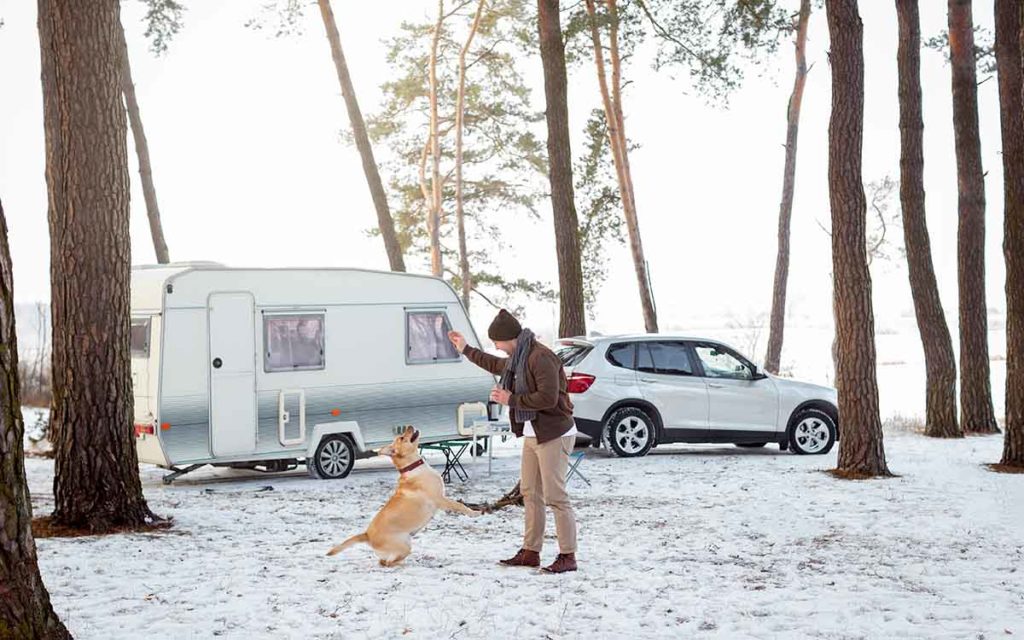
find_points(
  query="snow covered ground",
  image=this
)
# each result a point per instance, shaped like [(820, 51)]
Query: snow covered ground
[(691, 541)]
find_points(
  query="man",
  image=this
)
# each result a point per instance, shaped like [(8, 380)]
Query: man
[(533, 387)]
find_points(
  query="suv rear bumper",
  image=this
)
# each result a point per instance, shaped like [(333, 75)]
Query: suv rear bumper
[(590, 427)]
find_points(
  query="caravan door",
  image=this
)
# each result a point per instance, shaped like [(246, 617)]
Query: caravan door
[(232, 373)]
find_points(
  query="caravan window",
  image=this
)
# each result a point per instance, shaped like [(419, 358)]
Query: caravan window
[(426, 336), (293, 342), (140, 337)]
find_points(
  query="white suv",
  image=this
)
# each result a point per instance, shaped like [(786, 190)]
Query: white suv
[(635, 392)]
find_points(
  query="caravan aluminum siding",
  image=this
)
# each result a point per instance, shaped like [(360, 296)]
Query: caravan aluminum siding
[(365, 378)]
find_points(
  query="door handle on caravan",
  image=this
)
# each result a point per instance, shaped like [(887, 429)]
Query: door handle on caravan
[(217, 362), (647, 380)]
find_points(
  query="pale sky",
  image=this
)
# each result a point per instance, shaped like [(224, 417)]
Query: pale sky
[(250, 169)]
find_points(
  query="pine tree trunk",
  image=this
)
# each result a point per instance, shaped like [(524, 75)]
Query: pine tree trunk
[(776, 329), (156, 229), (1009, 16), (629, 202), (861, 452), (611, 101), (434, 219), (460, 112), (385, 223), (572, 320), (25, 610), (976, 412), (96, 484), (940, 361)]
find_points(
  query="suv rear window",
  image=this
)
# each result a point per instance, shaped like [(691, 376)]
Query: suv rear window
[(571, 353)]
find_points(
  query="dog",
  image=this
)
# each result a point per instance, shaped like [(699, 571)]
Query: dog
[(419, 495)]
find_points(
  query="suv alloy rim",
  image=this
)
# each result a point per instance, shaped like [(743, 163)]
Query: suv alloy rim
[(811, 434), (631, 434)]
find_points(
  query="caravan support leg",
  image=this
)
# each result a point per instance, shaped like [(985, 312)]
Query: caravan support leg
[(171, 477)]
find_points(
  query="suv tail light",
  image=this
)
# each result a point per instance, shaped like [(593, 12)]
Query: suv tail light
[(580, 382)]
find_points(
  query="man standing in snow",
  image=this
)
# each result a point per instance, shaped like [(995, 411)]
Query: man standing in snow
[(533, 386)]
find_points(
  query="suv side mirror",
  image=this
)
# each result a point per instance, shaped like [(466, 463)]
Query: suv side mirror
[(757, 373)]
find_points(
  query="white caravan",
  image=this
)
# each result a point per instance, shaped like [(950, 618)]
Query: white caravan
[(270, 368)]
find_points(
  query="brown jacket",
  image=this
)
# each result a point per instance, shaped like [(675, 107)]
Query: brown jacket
[(546, 381)]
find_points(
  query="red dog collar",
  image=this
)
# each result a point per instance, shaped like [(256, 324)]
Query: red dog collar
[(412, 466)]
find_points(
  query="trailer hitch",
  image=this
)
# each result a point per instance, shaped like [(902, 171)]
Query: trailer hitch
[(171, 477)]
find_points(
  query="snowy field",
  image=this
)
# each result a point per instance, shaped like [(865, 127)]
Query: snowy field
[(690, 542)]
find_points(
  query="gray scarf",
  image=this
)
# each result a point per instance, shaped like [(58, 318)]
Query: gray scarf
[(513, 378)]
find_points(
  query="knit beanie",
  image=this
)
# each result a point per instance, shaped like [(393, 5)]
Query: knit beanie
[(504, 327)]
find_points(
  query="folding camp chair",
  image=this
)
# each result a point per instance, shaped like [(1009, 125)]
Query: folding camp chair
[(575, 458), (452, 450)]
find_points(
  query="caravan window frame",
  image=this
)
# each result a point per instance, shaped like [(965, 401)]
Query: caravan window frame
[(319, 315), (408, 345), (148, 324)]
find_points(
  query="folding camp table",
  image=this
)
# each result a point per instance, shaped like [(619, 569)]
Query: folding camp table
[(452, 450), (486, 429)]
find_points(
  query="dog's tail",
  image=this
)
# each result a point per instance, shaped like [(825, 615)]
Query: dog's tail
[(362, 537)]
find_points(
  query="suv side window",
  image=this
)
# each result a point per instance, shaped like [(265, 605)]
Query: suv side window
[(667, 358), (719, 363), (622, 355)]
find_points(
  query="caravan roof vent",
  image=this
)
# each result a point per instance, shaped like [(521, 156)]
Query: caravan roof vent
[(181, 265), (195, 263)]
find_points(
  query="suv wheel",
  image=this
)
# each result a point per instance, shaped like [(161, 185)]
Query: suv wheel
[(813, 432), (630, 432)]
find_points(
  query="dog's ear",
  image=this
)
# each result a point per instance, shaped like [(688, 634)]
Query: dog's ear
[(415, 436)]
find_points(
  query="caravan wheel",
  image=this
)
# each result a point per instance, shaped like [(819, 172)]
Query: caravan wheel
[(333, 459)]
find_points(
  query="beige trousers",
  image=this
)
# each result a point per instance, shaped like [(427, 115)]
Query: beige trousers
[(543, 483)]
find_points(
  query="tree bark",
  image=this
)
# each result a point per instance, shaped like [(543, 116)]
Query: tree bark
[(96, 484), (460, 110), (1009, 16), (572, 319), (434, 214), (776, 329), (976, 412), (940, 360), (632, 222), (612, 102), (156, 229), (861, 452), (385, 223), (25, 609)]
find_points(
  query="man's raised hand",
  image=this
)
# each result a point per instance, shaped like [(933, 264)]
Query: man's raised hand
[(458, 340)]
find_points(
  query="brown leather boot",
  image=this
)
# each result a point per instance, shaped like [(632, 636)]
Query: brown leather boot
[(563, 563), (524, 558)]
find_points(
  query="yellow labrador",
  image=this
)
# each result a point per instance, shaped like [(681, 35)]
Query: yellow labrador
[(419, 495)]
